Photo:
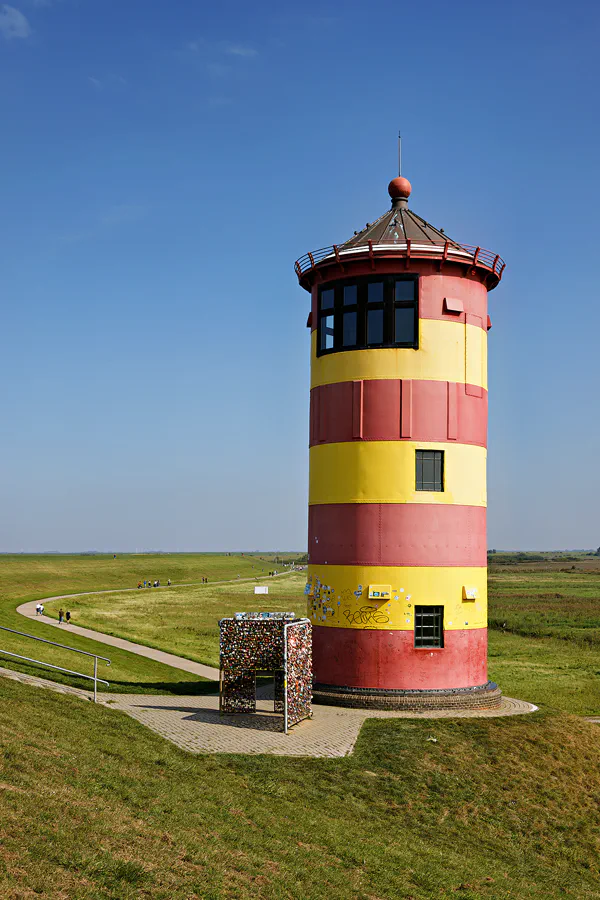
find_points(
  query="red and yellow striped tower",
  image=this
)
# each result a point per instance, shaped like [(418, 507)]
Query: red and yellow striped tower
[(397, 578)]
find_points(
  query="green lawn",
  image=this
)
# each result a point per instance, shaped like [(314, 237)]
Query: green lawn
[(183, 620), (32, 577), (96, 806)]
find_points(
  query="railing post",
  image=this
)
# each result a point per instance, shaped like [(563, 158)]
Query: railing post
[(95, 679)]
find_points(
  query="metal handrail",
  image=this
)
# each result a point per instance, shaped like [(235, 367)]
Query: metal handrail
[(39, 662), (473, 255)]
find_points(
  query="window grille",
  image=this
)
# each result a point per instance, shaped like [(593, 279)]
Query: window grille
[(368, 312), (429, 626), (430, 470)]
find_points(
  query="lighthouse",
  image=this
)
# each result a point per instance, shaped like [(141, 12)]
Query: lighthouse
[(397, 575)]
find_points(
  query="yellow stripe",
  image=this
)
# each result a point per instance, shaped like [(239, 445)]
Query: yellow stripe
[(442, 356), (333, 601), (385, 472)]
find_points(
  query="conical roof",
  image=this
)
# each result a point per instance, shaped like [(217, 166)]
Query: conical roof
[(396, 226), (399, 224), (401, 232)]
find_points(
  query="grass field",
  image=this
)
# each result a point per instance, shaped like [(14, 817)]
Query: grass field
[(93, 805), (25, 578), (184, 620), (544, 638), (96, 806), (548, 602), (547, 653)]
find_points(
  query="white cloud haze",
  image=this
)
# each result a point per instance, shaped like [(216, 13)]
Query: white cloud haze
[(13, 23), (239, 50)]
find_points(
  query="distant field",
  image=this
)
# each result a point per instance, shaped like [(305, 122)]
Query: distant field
[(182, 620), (547, 603), (544, 639), (25, 577), (549, 652), (557, 670)]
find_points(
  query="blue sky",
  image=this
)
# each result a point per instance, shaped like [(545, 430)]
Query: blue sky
[(163, 165)]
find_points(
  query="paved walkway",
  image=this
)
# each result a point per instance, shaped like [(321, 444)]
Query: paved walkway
[(194, 723), (169, 659)]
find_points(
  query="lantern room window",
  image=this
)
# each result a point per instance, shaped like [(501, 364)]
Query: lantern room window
[(429, 626), (327, 332), (368, 313)]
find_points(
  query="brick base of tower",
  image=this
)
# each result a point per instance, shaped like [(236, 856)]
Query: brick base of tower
[(382, 670)]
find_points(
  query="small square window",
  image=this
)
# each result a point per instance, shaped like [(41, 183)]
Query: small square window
[(375, 292), (429, 626), (327, 298), (430, 470), (350, 294)]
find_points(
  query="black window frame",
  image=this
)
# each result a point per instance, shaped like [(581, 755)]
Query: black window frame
[(422, 456), (434, 640), (362, 308)]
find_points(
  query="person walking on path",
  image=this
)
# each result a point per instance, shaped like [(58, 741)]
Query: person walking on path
[(61, 616), (38, 609), (68, 617)]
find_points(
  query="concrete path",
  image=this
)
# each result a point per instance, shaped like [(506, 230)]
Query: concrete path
[(169, 659), (194, 724)]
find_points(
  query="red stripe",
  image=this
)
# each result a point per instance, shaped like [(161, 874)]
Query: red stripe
[(396, 534), (357, 409), (452, 411), (388, 660), (381, 414), (388, 410), (434, 289)]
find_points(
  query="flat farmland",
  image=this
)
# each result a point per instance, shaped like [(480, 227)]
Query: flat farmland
[(544, 638), (547, 602)]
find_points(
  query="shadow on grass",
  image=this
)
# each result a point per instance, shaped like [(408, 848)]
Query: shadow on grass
[(178, 688), (193, 688)]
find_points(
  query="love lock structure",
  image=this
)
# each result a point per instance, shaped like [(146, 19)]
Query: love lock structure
[(278, 644)]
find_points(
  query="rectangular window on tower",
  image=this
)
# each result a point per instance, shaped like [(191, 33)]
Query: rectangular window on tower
[(430, 470), (429, 626)]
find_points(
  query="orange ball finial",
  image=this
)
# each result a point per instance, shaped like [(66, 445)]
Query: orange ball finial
[(399, 188)]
